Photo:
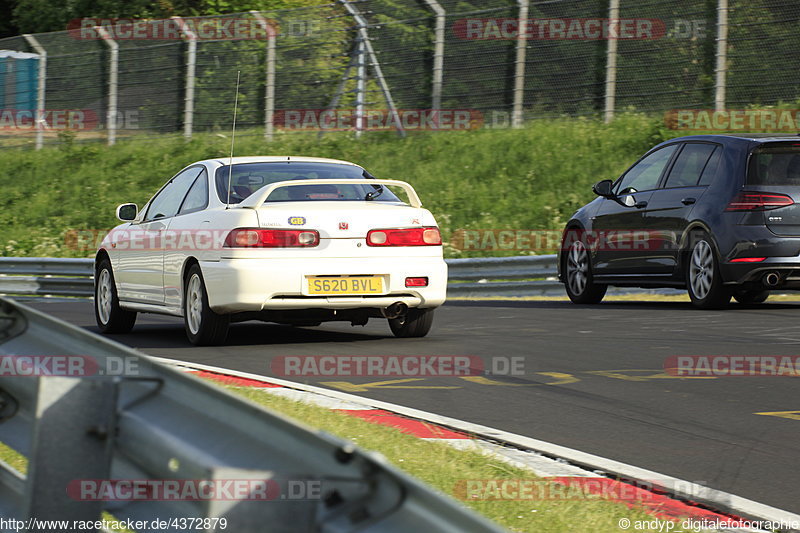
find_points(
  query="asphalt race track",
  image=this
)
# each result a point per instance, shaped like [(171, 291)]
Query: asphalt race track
[(593, 379)]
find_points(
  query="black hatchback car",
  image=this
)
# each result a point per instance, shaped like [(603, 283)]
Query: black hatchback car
[(718, 215)]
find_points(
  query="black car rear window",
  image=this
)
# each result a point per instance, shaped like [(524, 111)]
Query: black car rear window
[(775, 164)]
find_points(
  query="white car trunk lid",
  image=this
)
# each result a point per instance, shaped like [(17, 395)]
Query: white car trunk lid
[(342, 220)]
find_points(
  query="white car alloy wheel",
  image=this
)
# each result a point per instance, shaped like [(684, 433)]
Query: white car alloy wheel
[(110, 317), (194, 304), (701, 269), (204, 327), (577, 267), (104, 296)]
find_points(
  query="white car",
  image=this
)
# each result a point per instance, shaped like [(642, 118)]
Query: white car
[(291, 240)]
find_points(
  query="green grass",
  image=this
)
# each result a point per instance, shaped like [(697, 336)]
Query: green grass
[(19, 462), (442, 467), (531, 178)]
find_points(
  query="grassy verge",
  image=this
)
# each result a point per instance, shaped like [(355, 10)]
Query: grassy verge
[(526, 179), (19, 462), (443, 468)]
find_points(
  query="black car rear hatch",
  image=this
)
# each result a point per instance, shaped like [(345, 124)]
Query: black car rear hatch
[(773, 186)]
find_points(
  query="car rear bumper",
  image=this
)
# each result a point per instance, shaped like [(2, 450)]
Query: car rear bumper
[(241, 285), (787, 268), (781, 253)]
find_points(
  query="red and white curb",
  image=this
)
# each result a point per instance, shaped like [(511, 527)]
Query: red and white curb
[(666, 498)]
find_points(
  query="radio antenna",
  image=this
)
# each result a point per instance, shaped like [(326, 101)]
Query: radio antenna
[(233, 137)]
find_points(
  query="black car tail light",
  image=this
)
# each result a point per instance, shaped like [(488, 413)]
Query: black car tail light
[(758, 201)]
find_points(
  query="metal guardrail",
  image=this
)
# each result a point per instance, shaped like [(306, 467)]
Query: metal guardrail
[(126, 417), (41, 276), (480, 276), (46, 276)]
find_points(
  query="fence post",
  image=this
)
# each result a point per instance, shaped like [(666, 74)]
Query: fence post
[(191, 60), (40, 94), (361, 84), (722, 55), (611, 61), (519, 71), (269, 97), (438, 53), (111, 117), (376, 66)]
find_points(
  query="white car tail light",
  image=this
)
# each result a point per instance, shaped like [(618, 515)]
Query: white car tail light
[(428, 236), (271, 238)]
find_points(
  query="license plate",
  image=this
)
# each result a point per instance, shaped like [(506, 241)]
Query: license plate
[(349, 285)]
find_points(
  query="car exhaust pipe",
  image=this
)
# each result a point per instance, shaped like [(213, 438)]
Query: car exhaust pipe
[(771, 279), (396, 310)]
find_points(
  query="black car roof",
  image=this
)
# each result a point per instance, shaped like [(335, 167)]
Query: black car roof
[(739, 140), (757, 137)]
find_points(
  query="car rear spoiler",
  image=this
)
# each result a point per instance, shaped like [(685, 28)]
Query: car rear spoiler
[(259, 197)]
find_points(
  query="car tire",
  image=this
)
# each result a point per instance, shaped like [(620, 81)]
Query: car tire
[(110, 317), (703, 278), (577, 269), (751, 297), (203, 326), (415, 323)]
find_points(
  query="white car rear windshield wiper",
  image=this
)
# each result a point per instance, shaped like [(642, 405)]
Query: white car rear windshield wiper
[(374, 194)]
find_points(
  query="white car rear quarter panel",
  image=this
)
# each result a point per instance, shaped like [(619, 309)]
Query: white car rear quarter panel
[(216, 224)]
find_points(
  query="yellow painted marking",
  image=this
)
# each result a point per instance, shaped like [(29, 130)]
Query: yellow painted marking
[(481, 380), (391, 384), (630, 375), (791, 415), (561, 379)]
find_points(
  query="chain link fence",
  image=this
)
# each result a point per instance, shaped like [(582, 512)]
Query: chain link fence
[(402, 65)]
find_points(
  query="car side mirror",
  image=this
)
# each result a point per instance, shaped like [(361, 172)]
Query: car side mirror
[(127, 212), (603, 188)]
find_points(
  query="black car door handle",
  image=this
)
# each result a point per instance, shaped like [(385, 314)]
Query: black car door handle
[(640, 204), (688, 201)]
